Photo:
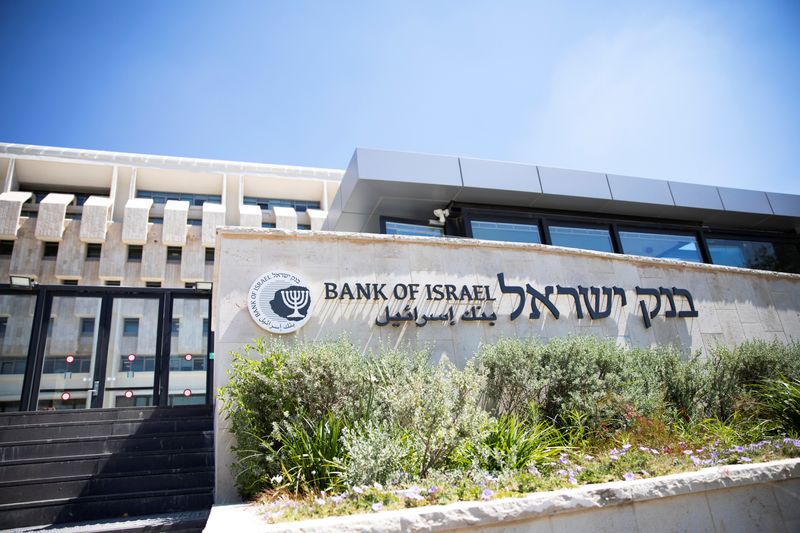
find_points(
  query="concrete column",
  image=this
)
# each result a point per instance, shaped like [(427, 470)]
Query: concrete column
[(285, 217), (114, 254), (317, 217), (26, 259), (134, 226), (154, 255), (95, 219), (9, 183), (52, 214), (193, 258), (249, 216), (213, 216), (176, 214), (71, 252), (10, 211)]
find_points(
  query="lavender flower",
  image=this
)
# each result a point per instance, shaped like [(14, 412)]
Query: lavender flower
[(433, 489), (486, 494), (534, 471), (745, 459), (377, 485), (358, 490), (573, 480), (626, 447), (320, 501), (628, 476), (696, 461), (377, 506)]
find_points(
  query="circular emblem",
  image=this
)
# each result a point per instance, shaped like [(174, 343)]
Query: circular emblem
[(279, 302)]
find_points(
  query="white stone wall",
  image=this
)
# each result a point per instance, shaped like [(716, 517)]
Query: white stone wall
[(733, 304), (746, 498)]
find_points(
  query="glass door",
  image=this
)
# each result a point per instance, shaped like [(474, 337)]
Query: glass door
[(69, 370), (133, 358)]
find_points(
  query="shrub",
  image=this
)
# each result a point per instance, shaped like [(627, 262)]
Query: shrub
[(310, 454), (512, 444), (731, 372), (438, 406), (591, 376), (274, 383), (780, 399), (377, 453)]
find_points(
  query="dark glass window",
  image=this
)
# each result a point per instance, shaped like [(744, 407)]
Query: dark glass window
[(304, 226), (195, 222), (134, 253), (58, 365), (152, 284), (209, 255), (156, 220), (269, 203), (6, 247), (762, 255), (175, 327), (505, 231), (142, 363), (420, 230), (267, 225), (174, 254), (69, 281), (50, 250), (180, 364), (130, 327), (93, 251), (663, 245), (584, 238), (3, 325), (112, 283), (87, 327), (160, 197), (205, 327)]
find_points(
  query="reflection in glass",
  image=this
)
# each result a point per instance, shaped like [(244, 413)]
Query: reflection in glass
[(583, 238), (70, 353), (683, 247), (419, 230), (130, 368), (505, 231), (762, 255), (16, 321), (188, 355)]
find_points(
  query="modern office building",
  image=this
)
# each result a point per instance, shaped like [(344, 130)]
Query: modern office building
[(121, 288)]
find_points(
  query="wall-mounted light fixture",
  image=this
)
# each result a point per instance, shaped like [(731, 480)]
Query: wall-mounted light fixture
[(22, 282)]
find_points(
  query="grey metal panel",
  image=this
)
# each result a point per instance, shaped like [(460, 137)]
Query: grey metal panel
[(499, 175), (784, 204), (693, 195), (630, 189), (574, 183), (409, 168), (745, 201)]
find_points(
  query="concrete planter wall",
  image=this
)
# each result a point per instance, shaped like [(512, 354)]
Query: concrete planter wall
[(760, 497)]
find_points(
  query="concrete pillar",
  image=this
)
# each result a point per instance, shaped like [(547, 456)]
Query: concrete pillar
[(10, 211), (193, 258), (52, 214), (154, 255), (113, 255), (26, 259), (285, 217), (134, 226), (176, 214), (10, 183), (213, 216), (71, 252), (249, 216), (95, 219), (317, 218)]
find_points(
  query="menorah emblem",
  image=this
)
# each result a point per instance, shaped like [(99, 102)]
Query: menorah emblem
[(295, 299)]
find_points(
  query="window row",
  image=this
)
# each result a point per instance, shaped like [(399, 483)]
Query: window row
[(689, 245), (160, 197), (269, 203)]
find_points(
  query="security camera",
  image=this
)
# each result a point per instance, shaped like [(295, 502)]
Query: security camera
[(441, 214)]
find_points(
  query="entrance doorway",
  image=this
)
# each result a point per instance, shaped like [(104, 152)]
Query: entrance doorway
[(104, 347)]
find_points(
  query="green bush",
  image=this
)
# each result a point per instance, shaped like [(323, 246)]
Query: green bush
[(511, 444), (438, 406), (780, 398), (731, 372), (273, 384), (377, 453)]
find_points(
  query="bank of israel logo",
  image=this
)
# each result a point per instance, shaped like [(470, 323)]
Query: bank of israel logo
[(279, 302)]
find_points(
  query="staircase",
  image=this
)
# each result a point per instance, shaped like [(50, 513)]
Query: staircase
[(61, 467)]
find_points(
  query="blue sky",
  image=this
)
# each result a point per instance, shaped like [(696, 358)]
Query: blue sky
[(704, 92)]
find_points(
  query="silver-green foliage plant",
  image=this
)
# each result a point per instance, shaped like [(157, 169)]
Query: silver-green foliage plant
[(376, 452), (438, 406), (273, 384)]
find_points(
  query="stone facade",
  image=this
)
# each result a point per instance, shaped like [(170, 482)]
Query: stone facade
[(732, 305)]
